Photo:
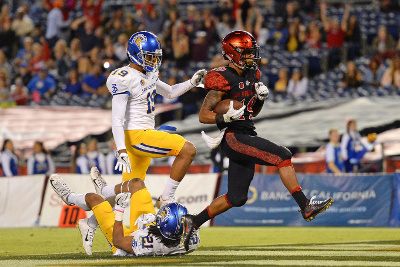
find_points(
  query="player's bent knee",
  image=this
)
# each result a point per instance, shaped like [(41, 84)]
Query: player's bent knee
[(286, 154), (93, 199), (135, 185), (237, 201), (188, 150)]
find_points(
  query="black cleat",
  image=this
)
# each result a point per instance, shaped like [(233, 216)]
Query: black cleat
[(188, 228), (313, 208)]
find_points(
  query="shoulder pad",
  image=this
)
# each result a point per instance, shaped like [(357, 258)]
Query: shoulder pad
[(214, 80), (117, 84)]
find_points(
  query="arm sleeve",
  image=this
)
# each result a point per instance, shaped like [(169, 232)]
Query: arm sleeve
[(29, 165), (52, 168), (343, 146), (5, 162), (329, 154), (174, 90), (119, 103)]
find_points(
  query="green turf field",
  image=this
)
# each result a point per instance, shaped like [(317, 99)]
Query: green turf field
[(220, 246)]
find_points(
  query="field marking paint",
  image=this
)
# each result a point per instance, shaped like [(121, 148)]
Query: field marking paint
[(353, 243), (94, 262), (123, 262), (301, 263), (56, 253), (369, 253), (356, 247)]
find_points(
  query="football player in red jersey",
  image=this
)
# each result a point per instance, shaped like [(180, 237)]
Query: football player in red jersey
[(240, 80)]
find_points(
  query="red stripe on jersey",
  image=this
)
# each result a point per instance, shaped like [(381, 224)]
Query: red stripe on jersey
[(251, 151), (215, 81)]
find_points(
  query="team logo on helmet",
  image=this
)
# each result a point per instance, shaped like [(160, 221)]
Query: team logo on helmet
[(139, 39)]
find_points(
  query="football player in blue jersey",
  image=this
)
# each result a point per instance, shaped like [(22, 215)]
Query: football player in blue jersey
[(133, 88), (156, 235)]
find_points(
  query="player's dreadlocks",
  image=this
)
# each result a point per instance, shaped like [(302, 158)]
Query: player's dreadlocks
[(169, 243)]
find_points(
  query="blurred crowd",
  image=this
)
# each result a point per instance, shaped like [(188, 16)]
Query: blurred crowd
[(39, 160), (60, 52)]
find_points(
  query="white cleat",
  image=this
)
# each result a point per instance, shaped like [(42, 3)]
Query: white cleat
[(121, 253), (98, 181), (160, 201), (87, 234), (61, 188)]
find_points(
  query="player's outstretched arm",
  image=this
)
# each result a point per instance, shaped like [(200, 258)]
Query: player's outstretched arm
[(180, 88), (197, 77)]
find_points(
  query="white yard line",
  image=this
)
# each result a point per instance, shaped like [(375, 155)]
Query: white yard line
[(301, 263)]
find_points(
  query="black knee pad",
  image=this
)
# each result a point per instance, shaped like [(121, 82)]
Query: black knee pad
[(236, 200)]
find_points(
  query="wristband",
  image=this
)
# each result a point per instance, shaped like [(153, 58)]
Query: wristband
[(119, 215), (221, 124), (219, 119)]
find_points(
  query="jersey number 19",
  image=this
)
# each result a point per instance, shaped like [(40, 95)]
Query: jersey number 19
[(150, 101)]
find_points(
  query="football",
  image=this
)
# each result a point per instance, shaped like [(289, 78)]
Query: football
[(223, 106)]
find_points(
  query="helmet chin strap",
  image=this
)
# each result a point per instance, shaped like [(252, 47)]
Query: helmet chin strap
[(252, 66)]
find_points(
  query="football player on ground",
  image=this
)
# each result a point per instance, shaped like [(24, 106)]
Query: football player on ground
[(133, 88), (240, 80), (157, 235)]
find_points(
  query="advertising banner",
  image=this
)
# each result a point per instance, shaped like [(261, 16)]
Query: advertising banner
[(196, 191), (395, 214), (359, 200), (20, 199)]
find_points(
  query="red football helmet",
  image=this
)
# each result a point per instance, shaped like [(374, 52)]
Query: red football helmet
[(238, 46)]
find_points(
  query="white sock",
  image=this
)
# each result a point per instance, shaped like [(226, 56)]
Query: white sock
[(108, 191), (79, 200), (92, 221), (170, 188)]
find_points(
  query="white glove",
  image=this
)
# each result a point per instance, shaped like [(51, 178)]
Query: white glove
[(144, 220), (122, 201), (213, 142), (262, 91), (123, 163), (233, 114), (197, 77)]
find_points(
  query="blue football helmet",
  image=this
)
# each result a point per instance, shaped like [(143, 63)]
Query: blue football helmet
[(144, 49), (169, 220)]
